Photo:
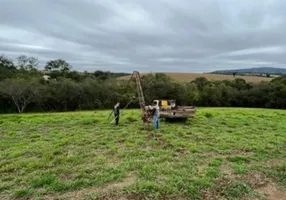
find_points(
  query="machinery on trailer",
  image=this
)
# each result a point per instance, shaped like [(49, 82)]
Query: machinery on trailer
[(168, 108)]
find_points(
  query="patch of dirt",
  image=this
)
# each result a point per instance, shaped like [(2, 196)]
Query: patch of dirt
[(96, 152), (70, 153), (276, 162), (271, 163), (66, 177), (44, 130), (139, 197), (120, 185), (5, 197), (261, 184), (226, 170), (242, 153), (257, 181), (213, 154), (114, 164), (184, 151), (214, 193), (105, 190), (161, 143), (271, 192)]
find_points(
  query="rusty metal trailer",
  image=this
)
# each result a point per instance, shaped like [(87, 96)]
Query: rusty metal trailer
[(179, 112)]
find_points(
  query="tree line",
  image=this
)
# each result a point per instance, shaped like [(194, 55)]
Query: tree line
[(24, 88)]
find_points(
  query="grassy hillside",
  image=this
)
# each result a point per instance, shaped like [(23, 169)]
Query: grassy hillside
[(221, 153), (192, 76)]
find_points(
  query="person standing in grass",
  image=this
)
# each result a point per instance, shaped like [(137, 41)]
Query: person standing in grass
[(116, 113), (156, 114)]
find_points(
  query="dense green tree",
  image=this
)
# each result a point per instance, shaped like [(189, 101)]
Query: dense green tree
[(65, 94), (58, 68), (7, 68), (241, 84), (201, 82), (58, 65), (21, 91), (191, 94), (27, 63)]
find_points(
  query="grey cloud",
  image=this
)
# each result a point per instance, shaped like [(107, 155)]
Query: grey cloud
[(162, 35)]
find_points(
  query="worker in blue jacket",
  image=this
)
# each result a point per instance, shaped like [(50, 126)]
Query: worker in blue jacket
[(156, 114)]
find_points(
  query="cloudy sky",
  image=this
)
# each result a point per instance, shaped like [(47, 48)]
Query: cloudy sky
[(127, 35)]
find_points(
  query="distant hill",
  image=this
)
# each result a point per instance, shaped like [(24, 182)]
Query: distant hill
[(258, 70), (187, 77)]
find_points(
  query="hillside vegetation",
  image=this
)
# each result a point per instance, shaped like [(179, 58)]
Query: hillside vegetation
[(219, 154), (188, 77), (257, 70), (25, 88)]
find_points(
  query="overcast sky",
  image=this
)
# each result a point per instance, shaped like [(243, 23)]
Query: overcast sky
[(127, 35)]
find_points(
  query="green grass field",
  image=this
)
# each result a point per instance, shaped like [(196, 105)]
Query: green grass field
[(220, 154)]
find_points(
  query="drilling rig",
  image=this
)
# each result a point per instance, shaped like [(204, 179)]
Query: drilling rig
[(168, 108), (146, 111)]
